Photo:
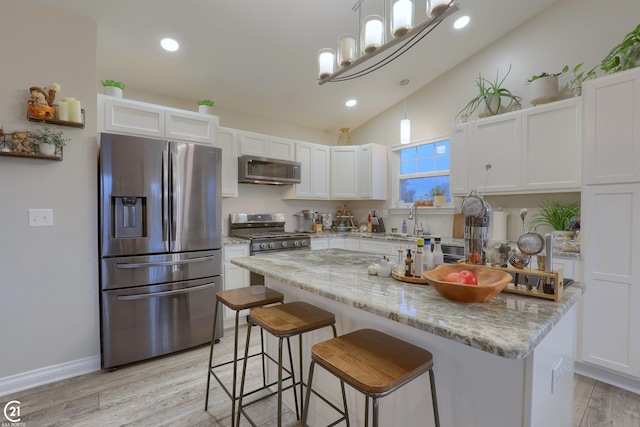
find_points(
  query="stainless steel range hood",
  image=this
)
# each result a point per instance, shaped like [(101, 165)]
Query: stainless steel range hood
[(262, 170)]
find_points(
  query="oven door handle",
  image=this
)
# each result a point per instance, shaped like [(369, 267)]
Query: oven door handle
[(164, 263), (162, 294)]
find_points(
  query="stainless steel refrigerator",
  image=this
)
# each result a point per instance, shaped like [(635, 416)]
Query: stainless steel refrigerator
[(160, 246)]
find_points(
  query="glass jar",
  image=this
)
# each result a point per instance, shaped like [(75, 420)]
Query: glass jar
[(372, 36)]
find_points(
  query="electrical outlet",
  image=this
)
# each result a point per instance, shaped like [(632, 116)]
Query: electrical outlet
[(556, 375), (40, 217)]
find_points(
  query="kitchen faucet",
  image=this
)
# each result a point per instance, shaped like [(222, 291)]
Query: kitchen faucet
[(413, 215)]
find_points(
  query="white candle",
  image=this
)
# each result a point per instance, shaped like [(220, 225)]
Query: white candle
[(63, 111), (347, 52), (401, 17), (75, 114), (435, 7), (372, 35), (326, 58)]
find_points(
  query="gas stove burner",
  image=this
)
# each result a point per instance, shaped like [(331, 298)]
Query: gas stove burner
[(267, 234)]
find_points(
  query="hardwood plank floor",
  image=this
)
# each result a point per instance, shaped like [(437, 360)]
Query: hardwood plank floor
[(171, 390)]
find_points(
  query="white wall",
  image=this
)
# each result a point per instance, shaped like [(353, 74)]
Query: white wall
[(48, 275)]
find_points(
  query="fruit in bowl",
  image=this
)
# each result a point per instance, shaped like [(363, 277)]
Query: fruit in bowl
[(464, 276), (490, 282)]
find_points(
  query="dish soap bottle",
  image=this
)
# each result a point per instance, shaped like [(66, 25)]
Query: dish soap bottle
[(404, 226)]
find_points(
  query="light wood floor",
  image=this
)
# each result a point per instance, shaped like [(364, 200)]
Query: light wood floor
[(171, 391)]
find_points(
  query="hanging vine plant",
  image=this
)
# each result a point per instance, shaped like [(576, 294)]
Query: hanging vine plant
[(624, 56)]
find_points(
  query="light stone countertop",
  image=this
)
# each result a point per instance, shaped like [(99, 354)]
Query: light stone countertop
[(230, 240), (508, 325)]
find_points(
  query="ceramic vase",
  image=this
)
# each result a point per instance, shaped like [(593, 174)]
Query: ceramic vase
[(543, 90), (205, 109), (47, 149), (113, 91)]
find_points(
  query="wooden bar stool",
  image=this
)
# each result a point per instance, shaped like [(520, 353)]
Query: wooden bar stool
[(285, 321), (375, 364), (238, 300)]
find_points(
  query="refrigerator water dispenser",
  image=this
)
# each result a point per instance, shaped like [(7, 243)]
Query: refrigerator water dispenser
[(129, 218)]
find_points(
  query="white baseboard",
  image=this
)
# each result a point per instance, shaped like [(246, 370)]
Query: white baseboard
[(609, 377), (49, 374)]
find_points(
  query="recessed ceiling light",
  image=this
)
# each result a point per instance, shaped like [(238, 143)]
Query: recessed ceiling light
[(461, 22), (169, 44), (351, 103)]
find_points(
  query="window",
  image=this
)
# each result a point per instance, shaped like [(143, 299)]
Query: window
[(422, 167)]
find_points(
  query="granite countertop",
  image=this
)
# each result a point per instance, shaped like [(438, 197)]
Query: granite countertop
[(508, 325), (230, 240)]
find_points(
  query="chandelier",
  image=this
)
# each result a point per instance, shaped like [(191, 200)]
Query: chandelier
[(380, 41)]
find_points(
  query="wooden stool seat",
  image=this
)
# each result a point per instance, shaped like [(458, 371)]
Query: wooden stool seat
[(291, 319), (249, 297), (371, 361)]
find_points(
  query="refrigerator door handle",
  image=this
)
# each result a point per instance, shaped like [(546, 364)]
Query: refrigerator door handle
[(175, 196), (163, 263), (165, 195), (163, 294)]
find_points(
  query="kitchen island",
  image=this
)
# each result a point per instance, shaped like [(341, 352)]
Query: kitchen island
[(507, 362)]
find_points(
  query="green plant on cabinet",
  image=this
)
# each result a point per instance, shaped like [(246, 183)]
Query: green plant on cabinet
[(490, 93)]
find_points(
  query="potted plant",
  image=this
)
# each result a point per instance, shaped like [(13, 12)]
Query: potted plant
[(113, 88), (575, 84), (439, 193), (544, 87), (560, 217), (205, 106), (625, 55), (48, 139), (490, 94)]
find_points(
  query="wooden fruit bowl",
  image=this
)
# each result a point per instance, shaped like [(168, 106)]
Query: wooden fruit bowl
[(491, 282)]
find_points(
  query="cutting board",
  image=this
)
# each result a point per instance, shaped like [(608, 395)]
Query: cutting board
[(458, 226)]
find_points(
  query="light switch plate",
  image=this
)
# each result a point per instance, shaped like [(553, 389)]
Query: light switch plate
[(40, 217)]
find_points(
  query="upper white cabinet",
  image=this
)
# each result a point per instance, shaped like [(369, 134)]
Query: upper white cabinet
[(344, 172), (536, 149), (459, 161), (140, 118), (496, 141), (227, 140), (612, 128), (314, 171), (255, 144), (372, 172), (552, 146), (359, 172)]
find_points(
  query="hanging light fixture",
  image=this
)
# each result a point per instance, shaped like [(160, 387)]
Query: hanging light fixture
[(381, 37), (405, 124)]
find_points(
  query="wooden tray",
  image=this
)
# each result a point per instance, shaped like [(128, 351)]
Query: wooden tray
[(414, 280)]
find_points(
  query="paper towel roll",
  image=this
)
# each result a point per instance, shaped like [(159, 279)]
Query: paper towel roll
[(499, 221)]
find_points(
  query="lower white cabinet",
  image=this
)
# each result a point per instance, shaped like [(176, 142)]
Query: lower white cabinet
[(611, 255), (351, 244), (327, 243), (234, 277)]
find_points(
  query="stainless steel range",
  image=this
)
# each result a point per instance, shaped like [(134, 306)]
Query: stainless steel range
[(266, 234)]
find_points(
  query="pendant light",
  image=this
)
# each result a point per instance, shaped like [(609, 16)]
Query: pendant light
[(405, 124)]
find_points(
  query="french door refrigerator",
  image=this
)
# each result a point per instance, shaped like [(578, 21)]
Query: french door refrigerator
[(160, 246)]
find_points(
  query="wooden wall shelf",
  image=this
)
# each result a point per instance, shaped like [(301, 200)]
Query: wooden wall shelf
[(58, 122)]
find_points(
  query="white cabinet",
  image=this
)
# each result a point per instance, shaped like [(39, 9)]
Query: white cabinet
[(611, 256), (344, 172), (314, 171), (552, 146), (533, 150), (351, 244), (372, 172), (612, 128), (359, 172), (496, 141), (234, 277), (319, 243), (272, 147), (227, 140), (459, 161), (336, 242), (139, 118)]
